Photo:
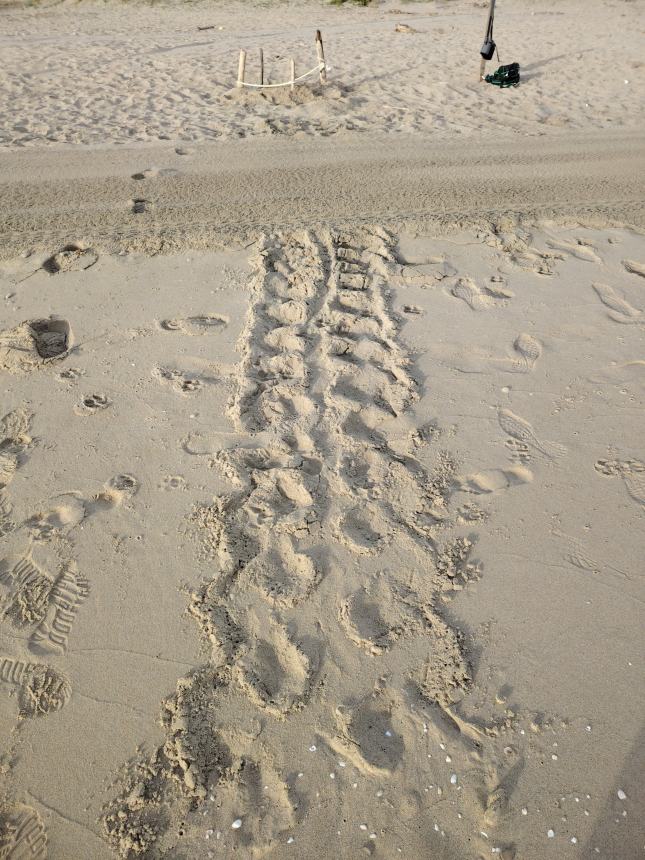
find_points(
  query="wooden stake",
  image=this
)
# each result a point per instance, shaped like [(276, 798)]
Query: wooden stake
[(321, 57), (261, 66), (292, 63), (240, 69)]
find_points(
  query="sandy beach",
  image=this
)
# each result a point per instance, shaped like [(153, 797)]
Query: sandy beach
[(322, 469)]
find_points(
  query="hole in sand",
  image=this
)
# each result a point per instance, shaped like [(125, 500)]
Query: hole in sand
[(52, 337)]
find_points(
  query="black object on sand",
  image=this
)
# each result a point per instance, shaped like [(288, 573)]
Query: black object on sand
[(488, 48), (505, 76)]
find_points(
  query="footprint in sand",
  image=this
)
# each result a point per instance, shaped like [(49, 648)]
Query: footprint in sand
[(577, 555), (274, 671), (52, 337), (374, 618), (367, 736), (634, 267), (197, 325), (529, 348), (71, 258), (285, 576), (580, 250), (468, 291), (41, 689), (619, 310), (33, 597), (71, 374), (631, 471), (519, 452), (516, 244), (178, 381), (474, 361), (27, 590), (174, 482), (424, 274), (117, 491), (68, 593), (520, 430), (22, 833), (7, 525), (14, 441), (70, 509), (498, 289), (255, 795), (154, 172), (363, 531), (494, 480), (92, 403), (479, 299)]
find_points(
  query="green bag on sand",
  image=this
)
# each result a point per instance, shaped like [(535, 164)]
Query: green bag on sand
[(505, 76)]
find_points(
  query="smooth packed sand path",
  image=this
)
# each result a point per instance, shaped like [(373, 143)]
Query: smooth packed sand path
[(152, 199)]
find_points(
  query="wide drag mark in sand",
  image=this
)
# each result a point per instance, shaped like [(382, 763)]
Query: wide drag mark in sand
[(335, 532), (332, 696)]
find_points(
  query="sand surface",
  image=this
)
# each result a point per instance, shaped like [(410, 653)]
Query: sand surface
[(154, 199), (93, 74), (322, 467)]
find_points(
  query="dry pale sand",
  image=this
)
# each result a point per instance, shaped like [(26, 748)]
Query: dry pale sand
[(322, 466), (93, 73)]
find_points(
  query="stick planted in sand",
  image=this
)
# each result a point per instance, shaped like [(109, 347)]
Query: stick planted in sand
[(261, 66), (292, 64), (488, 34), (321, 57), (240, 69)]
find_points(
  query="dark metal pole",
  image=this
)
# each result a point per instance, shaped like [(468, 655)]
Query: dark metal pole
[(491, 15)]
